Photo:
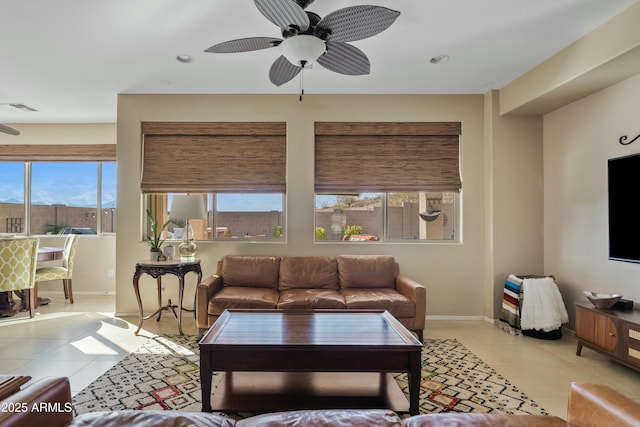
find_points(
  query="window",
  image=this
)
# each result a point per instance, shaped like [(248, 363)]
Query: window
[(387, 181), (231, 215), (370, 217), (349, 217), (240, 167), (249, 216), (65, 187), (63, 197), (421, 215)]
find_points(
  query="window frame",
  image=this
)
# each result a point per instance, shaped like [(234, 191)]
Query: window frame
[(384, 226), (28, 176), (156, 199)]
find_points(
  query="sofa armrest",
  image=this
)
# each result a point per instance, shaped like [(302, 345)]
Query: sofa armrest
[(46, 402), (205, 290), (416, 293), (599, 405)]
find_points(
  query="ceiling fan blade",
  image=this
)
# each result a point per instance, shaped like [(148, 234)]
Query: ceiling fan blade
[(283, 13), (9, 130), (244, 45), (356, 23), (282, 71), (344, 58)]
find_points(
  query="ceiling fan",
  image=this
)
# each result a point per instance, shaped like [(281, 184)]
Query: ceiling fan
[(9, 130), (308, 37)]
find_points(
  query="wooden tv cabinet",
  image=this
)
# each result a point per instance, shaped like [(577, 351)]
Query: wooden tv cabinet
[(614, 333)]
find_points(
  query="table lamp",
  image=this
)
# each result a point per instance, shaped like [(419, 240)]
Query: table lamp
[(187, 207)]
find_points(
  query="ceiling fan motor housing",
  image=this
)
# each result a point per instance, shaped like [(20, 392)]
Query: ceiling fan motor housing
[(294, 30), (304, 3)]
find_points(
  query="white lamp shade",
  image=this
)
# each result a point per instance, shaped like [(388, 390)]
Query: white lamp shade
[(302, 47), (187, 207)]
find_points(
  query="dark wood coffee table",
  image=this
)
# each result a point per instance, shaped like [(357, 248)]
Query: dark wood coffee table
[(287, 359)]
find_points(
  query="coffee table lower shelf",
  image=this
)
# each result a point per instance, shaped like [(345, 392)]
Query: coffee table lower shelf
[(285, 391)]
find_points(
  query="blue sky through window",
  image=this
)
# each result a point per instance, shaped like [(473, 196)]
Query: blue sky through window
[(12, 182), (68, 183)]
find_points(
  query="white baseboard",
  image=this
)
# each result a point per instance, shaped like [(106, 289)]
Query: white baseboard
[(125, 314), (59, 293), (436, 318)]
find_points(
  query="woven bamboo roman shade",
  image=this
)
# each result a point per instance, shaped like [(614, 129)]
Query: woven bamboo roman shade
[(216, 157), (58, 153), (357, 157)]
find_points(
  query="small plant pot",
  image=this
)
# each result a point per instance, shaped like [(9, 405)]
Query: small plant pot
[(154, 253)]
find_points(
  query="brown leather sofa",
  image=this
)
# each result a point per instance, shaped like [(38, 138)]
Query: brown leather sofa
[(48, 403), (311, 282)]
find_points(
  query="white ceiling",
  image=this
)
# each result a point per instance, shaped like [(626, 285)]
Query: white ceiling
[(69, 59)]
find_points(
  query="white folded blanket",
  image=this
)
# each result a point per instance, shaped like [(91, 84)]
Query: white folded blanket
[(542, 305)]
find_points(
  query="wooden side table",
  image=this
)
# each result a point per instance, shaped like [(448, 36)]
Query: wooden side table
[(157, 269)]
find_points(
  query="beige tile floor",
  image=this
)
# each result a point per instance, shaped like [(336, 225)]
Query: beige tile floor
[(84, 339)]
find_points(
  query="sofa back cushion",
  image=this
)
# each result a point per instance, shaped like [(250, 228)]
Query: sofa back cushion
[(367, 271), (252, 271), (308, 272)]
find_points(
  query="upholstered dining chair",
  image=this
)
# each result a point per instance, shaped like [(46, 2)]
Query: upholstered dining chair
[(18, 260), (62, 272)]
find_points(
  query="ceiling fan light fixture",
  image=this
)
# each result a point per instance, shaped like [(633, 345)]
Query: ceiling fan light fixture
[(303, 49)]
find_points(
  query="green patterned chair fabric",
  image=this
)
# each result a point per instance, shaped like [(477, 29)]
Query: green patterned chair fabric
[(18, 260), (63, 272)]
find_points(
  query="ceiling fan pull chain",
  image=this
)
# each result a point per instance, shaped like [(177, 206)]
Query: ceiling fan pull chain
[(302, 64)]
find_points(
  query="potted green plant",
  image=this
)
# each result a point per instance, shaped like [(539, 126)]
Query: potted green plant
[(155, 238)]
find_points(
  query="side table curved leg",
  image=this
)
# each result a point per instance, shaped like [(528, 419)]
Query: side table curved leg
[(159, 285), (136, 289), (195, 303), (180, 297)]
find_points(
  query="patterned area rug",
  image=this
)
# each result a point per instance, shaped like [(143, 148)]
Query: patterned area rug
[(163, 374)]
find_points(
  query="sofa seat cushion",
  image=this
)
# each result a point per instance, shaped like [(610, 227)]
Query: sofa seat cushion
[(367, 271), (242, 297), (458, 419), (311, 299), (309, 272), (251, 271), (325, 417), (379, 299), (151, 418)]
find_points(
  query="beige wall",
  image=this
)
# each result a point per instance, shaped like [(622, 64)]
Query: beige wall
[(61, 133), (94, 268), (453, 273), (513, 186), (578, 140)]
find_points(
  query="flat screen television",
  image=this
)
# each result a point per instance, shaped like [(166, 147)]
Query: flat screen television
[(624, 208)]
